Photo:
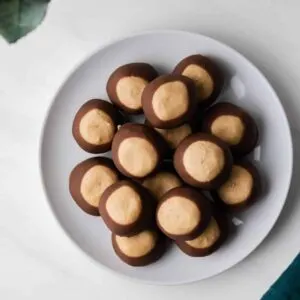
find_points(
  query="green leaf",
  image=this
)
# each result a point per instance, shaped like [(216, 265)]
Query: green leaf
[(19, 17)]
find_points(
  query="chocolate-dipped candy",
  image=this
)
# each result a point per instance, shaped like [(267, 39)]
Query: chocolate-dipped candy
[(242, 187), (162, 181), (95, 125), (206, 75), (141, 249), (233, 125), (169, 100), (137, 150), (127, 208), (183, 213), (203, 160), (210, 240), (89, 179), (127, 83)]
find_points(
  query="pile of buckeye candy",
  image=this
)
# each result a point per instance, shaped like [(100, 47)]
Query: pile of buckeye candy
[(175, 177)]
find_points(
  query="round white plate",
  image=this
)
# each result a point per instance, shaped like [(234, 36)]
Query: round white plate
[(246, 86)]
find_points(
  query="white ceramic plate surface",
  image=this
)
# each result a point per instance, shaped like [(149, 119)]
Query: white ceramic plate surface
[(245, 86)]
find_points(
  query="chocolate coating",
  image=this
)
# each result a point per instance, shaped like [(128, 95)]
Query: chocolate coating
[(223, 224), (211, 68), (202, 204), (253, 195), (147, 101), (250, 135), (77, 175), (143, 132), (139, 70), (106, 108), (155, 254), (181, 170), (145, 218)]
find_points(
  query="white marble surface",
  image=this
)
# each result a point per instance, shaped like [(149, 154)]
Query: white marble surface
[(37, 260)]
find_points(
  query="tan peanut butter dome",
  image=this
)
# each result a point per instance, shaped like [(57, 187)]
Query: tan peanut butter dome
[(138, 245), (203, 161), (127, 208), (138, 156), (88, 181), (179, 215), (238, 187), (230, 129), (202, 79), (129, 91), (233, 125), (206, 75), (140, 249), (206, 239), (210, 239), (242, 188), (137, 150), (183, 213), (95, 125), (124, 205), (169, 100), (95, 181), (162, 182), (126, 85)]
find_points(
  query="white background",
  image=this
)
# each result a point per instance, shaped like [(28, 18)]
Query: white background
[(37, 260)]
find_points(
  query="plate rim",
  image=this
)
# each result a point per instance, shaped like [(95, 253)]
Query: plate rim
[(46, 116)]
